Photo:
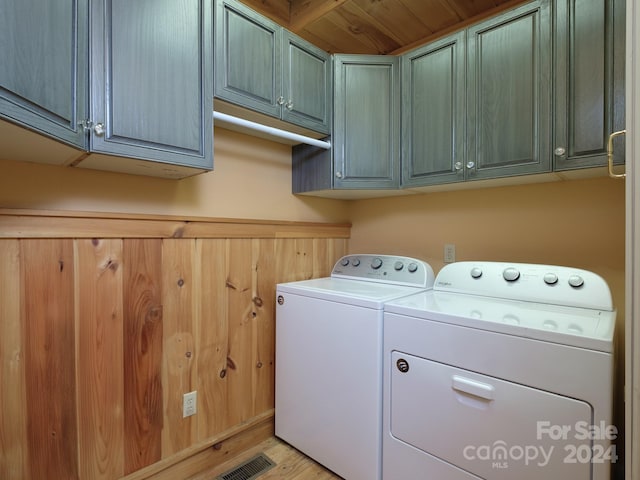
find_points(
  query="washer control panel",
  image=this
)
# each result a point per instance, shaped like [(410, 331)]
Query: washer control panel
[(549, 284), (385, 268)]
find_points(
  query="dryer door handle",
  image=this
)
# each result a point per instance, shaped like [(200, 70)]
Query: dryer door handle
[(472, 387)]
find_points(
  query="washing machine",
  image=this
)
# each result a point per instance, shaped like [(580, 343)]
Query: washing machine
[(502, 371), (328, 398)]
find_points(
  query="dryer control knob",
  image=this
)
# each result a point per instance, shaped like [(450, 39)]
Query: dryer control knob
[(344, 262), (476, 272), (550, 278), (398, 265), (511, 274), (413, 267), (356, 262), (376, 263), (576, 281)]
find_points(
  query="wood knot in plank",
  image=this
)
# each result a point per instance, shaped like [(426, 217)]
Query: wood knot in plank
[(230, 284), (178, 232), (180, 282), (230, 363), (111, 265), (61, 265), (257, 301)]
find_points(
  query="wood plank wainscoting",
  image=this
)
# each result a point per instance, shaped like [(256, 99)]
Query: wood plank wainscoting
[(107, 320)]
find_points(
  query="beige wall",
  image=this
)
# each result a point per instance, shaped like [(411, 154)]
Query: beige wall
[(578, 223), (251, 179)]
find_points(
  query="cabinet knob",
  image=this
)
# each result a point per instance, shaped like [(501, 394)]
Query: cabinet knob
[(559, 152), (338, 174), (289, 105), (471, 164), (457, 166), (99, 129), (280, 100)]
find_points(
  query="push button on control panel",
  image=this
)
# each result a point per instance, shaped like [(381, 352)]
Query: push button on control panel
[(511, 274), (398, 266), (476, 272), (576, 281)]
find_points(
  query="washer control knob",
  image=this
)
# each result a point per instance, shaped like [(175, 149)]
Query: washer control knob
[(576, 281), (398, 266), (476, 272), (511, 274), (550, 278), (355, 262), (344, 262), (413, 267), (376, 263)]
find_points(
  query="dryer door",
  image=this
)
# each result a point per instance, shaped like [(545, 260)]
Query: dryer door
[(492, 428)]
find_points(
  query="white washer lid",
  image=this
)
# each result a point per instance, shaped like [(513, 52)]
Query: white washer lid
[(353, 292)]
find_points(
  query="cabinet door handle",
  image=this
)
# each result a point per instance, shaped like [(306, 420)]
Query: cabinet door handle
[(457, 166), (471, 164), (559, 152), (610, 154), (99, 129), (280, 100), (289, 105), (472, 387)]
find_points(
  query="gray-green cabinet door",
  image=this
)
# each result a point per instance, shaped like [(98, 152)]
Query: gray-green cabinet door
[(366, 135), (152, 80), (248, 58), (433, 112), (509, 93), (307, 84), (43, 69), (589, 81)]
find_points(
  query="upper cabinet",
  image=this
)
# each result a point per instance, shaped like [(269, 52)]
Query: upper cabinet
[(366, 132), (476, 104), (44, 72), (433, 112), (143, 105), (151, 81), (365, 152), (262, 67), (589, 81), (509, 93)]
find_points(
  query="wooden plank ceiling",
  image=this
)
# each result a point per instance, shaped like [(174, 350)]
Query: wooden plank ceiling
[(375, 26)]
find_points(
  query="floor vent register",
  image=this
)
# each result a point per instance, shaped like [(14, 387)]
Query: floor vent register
[(252, 468)]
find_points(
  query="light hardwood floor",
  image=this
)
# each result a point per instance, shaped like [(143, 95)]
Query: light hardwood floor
[(290, 464)]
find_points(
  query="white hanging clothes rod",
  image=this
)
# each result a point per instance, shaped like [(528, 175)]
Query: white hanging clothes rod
[(276, 132)]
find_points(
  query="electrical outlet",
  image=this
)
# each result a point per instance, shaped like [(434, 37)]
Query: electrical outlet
[(449, 253), (189, 401)]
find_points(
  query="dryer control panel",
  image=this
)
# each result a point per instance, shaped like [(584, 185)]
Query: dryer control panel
[(386, 269), (547, 284)]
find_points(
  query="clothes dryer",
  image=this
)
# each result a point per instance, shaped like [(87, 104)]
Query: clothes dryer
[(502, 371)]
